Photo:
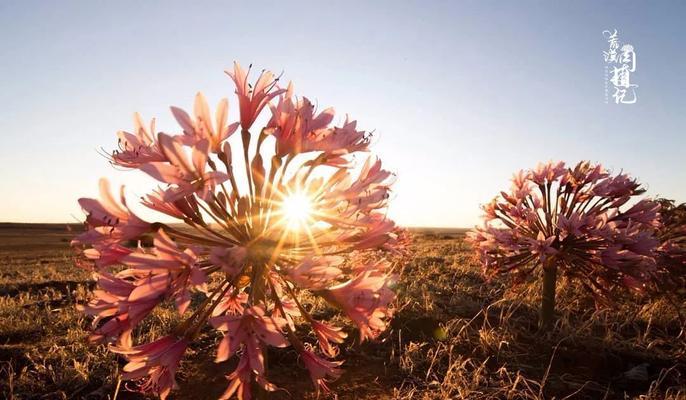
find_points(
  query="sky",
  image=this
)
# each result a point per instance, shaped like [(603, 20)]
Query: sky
[(460, 94)]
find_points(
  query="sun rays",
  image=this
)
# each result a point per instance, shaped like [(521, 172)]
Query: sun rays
[(297, 209)]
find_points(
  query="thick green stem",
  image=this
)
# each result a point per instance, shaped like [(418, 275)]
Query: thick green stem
[(548, 296)]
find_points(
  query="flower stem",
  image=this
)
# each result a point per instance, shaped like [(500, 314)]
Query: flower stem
[(245, 136), (548, 296)]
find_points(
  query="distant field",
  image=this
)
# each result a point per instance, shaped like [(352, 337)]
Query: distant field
[(455, 335), (452, 232), (18, 237)]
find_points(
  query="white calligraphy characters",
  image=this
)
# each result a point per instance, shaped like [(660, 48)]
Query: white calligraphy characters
[(623, 62)]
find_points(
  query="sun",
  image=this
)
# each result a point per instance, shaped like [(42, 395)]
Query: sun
[(296, 209)]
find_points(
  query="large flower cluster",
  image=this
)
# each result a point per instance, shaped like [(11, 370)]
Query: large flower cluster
[(255, 230), (583, 221)]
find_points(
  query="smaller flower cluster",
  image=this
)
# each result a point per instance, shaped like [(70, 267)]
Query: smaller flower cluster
[(583, 220), (671, 254)]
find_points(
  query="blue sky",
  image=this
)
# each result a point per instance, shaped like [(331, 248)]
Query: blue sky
[(460, 94)]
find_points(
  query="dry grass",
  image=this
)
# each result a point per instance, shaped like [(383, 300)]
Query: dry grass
[(454, 335)]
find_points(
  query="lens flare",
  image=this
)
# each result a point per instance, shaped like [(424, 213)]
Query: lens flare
[(296, 209)]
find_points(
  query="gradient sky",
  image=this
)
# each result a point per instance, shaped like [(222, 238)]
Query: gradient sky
[(461, 94)]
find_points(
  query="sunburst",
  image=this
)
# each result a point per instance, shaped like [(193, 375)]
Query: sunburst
[(296, 209)]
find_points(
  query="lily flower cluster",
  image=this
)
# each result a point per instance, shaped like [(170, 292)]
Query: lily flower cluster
[(254, 232), (672, 249), (584, 221)]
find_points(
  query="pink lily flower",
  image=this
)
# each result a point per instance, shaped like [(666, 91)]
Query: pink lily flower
[(189, 177), (294, 124), (617, 186), (574, 225), (645, 213), (326, 334), (320, 369), (542, 246), (337, 141), (316, 272), (240, 381), (105, 255), (298, 129), (249, 330), (379, 232), (183, 208), (233, 304), (548, 172), (364, 299), (252, 99), (173, 271), (138, 148), (582, 174), (119, 304), (154, 363), (202, 127), (363, 196), (109, 221)]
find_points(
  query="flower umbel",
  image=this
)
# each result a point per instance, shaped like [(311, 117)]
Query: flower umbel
[(303, 217), (671, 253), (578, 220)]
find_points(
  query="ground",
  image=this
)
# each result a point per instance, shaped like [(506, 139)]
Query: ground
[(454, 335)]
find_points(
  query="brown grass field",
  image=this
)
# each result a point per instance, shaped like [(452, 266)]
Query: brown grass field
[(455, 335)]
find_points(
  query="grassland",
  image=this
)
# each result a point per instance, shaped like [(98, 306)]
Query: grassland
[(455, 335)]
